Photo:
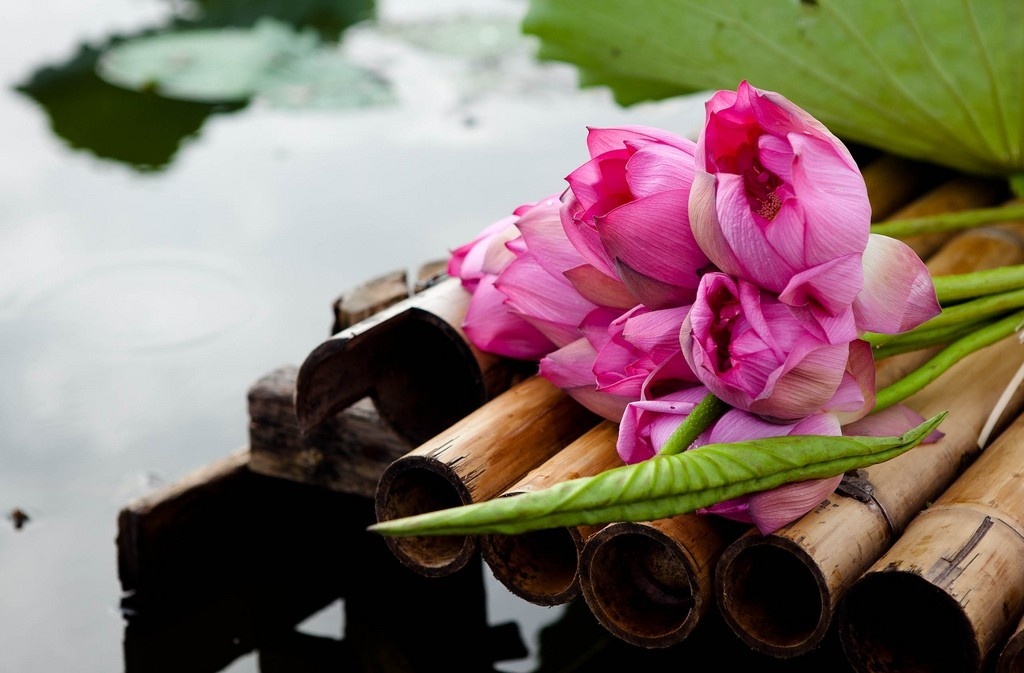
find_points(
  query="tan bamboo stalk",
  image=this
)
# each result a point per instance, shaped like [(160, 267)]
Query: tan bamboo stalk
[(959, 193), (893, 181), (650, 583), (822, 553), (542, 566), (412, 359), (475, 459), (948, 593), (1011, 657)]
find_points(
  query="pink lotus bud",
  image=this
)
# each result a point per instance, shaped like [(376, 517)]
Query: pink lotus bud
[(778, 200), (761, 355)]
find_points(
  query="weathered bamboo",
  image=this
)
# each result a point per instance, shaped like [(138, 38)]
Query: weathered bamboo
[(542, 566), (651, 583), (476, 459), (821, 554), (950, 590), (348, 452), (412, 359)]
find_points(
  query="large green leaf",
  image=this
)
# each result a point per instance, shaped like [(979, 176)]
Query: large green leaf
[(666, 485), (938, 80)]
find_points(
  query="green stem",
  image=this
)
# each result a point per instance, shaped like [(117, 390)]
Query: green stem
[(933, 224), (957, 287), (958, 314), (946, 358), (707, 411), (917, 340)]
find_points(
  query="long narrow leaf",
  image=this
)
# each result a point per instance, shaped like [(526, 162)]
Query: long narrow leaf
[(666, 485)]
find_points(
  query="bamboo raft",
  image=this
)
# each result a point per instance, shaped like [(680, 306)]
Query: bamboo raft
[(916, 564)]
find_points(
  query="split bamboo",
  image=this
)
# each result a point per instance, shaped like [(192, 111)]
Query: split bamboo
[(949, 592), (542, 566), (651, 583), (476, 459), (412, 359), (817, 557)]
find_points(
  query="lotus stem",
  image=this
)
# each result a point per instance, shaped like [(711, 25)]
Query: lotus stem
[(707, 411), (944, 222)]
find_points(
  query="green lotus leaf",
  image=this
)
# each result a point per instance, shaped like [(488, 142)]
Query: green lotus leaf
[(936, 80)]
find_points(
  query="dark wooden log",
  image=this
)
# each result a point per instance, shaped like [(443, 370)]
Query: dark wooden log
[(412, 360), (368, 298), (347, 453)]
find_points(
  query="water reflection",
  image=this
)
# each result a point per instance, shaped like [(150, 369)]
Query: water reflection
[(137, 128), (236, 560), (144, 129)]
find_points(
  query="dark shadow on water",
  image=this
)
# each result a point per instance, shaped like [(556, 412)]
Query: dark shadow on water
[(329, 18), (141, 128), (231, 567)]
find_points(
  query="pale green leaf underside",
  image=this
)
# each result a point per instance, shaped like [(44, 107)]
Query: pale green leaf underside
[(665, 486), (938, 80)]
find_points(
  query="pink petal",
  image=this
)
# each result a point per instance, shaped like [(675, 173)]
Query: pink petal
[(898, 292), (652, 236), (492, 327), (771, 510), (600, 288)]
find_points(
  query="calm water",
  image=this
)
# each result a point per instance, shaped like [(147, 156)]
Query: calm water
[(153, 269)]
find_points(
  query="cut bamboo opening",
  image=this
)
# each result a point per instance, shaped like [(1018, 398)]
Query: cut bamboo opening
[(651, 583), (412, 359), (950, 591), (827, 549), (542, 566), (476, 459)]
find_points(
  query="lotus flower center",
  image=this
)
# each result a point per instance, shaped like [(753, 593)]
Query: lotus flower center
[(770, 206)]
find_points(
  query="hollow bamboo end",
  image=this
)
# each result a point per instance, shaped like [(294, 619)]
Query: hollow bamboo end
[(541, 566), (641, 586), (899, 621), (773, 596), (415, 485)]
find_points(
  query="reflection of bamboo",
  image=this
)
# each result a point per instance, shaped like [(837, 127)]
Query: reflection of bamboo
[(951, 589), (650, 583), (476, 459), (822, 553), (412, 359), (542, 566)]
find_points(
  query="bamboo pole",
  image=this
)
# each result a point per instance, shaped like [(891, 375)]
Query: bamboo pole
[(962, 192), (950, 590), (822, 553), (651, 583), (412, 359), (893, 181), (476, 459), (542, 566)]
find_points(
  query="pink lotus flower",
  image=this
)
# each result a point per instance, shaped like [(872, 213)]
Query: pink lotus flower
[(778, 200), (648, 423), (626, 212), (761, 355), (639, 342), (770, 510), (571, 368)]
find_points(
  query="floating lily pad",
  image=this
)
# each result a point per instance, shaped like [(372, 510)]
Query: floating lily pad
[(324, 81), (938, 80)]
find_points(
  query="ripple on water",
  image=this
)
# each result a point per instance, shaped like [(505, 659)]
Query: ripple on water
[(144, 301)]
